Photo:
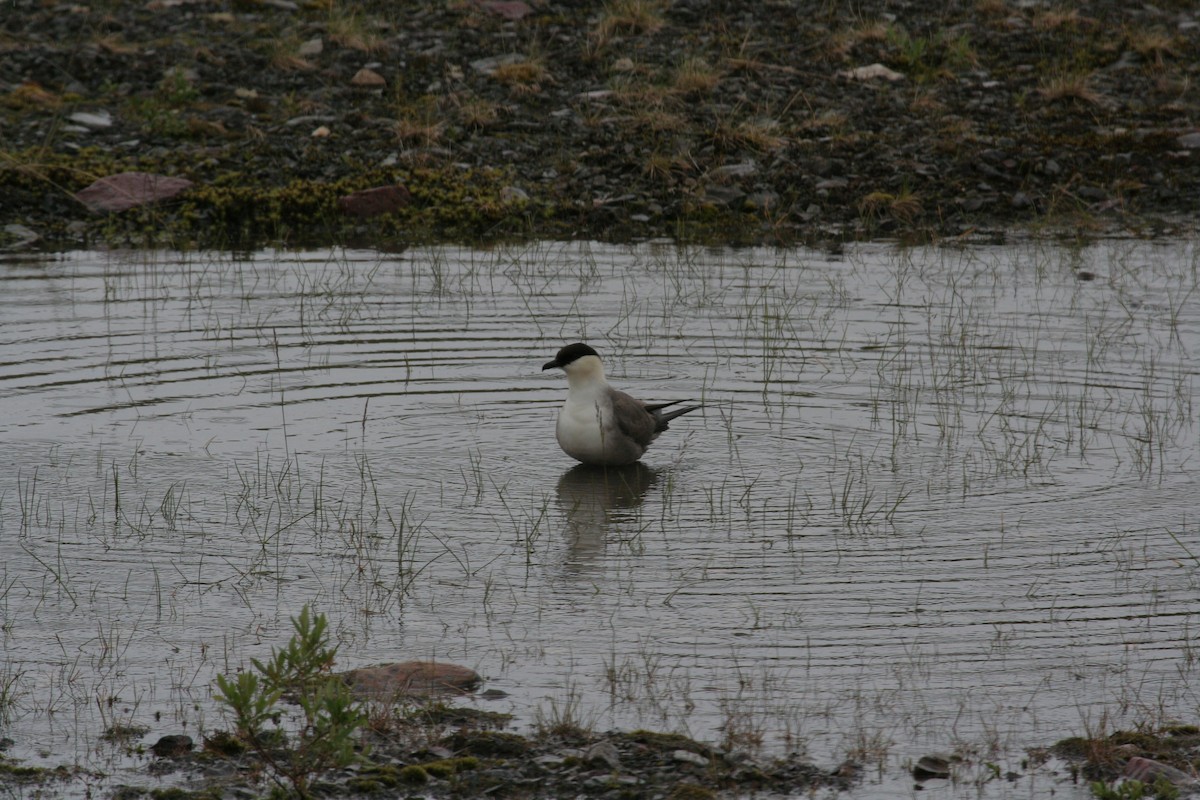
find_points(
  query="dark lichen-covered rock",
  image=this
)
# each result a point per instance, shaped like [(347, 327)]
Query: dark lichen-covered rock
[(487, 743)]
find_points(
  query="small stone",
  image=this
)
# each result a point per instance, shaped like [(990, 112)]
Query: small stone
[(172, 745), (1094, 193), (688, 757), (321, 132), (127, 190), (731, 171), (762, 201), (17, 236), (1190, 141), (832, 183), (604, 752), (95, 121), (931, 766), (508, 9), (313, 47), (487, 66), (1148, 771), (727, 196), (513, 194), (245, 94), (368, 78), (871, 72), (1021, 200), (595, 94)]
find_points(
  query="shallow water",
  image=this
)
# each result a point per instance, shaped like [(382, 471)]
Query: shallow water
[(938, 498)]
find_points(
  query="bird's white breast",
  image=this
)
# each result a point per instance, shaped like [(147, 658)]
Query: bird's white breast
[(581, 425)]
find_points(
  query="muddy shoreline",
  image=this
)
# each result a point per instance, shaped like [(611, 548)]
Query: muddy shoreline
[(697, 119)]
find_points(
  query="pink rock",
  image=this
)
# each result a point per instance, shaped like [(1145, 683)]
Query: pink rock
[(376, 201), (127, 190), (509, 9), (1147, 770), (368, 77), (411, 679)]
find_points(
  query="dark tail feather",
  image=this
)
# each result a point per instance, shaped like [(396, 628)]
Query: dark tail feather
[(663, 419)]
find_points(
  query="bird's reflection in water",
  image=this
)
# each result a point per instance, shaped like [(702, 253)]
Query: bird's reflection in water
[(592, 497)]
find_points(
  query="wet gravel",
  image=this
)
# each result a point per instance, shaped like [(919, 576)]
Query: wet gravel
[(718, 119)]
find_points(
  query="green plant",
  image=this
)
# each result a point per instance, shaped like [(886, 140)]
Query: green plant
[(300, 672), (1162, 789)]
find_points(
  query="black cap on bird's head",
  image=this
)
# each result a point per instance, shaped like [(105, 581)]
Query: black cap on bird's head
[(571, 352)]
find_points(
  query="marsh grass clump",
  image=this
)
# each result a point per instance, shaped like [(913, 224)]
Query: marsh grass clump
[(903, 206)]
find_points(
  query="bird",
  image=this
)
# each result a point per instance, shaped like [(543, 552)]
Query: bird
[(599, 425)]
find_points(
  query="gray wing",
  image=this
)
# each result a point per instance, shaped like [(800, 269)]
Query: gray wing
[(633, 419)]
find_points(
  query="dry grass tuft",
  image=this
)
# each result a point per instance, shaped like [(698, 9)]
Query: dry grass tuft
[(419, 131), (1068, 86), (629, 17), (476, 112), (1055, 18), (1153, 45), (845, 40), (758, 135), (522, 77), (695, 75), (349, 28), (904, 206)]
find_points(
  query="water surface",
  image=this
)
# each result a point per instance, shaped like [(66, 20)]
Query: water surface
[(938, 498)]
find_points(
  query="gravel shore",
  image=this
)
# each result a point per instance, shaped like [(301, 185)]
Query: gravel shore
[(711, 120)]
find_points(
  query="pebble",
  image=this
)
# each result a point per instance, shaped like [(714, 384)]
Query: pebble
[(731, 171), (605, 752), (368, 78), (1191, 141), (513, 194), (832, 183), (931, 766), (22, 237), (688, 757), (871, 72), (172, 745), (94, 120), (487, 66), (1147, 770)]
